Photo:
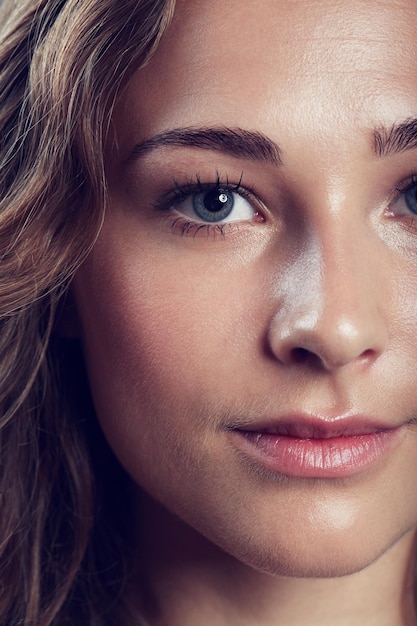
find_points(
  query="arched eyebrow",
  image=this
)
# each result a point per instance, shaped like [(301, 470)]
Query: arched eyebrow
[(398, 138), (237, 142)]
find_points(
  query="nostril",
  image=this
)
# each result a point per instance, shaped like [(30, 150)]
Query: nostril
[(367, 355), (302, 356), (328, 339)]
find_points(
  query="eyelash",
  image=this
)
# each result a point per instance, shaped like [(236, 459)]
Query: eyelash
[(181, 192), (401, 191), (408, 184)]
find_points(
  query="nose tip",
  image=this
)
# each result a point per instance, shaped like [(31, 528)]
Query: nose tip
[(329, 340)]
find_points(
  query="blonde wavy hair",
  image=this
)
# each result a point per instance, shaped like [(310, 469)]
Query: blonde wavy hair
[(62, 66)]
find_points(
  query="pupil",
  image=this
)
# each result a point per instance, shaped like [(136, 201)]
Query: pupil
[(215, 200)]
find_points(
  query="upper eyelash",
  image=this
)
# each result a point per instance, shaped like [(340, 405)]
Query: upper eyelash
[(410, 182), (181, 192)]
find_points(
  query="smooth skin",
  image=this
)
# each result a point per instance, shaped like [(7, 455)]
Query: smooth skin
[(305, 303)]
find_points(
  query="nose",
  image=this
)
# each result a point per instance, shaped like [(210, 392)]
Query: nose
[(331, 308)]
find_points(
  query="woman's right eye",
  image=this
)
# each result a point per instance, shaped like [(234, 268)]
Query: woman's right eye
[(406, 202), (216, 205)]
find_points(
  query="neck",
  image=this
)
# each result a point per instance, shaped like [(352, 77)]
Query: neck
[(187, 580)]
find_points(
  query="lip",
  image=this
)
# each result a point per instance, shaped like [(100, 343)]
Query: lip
[(309, 447)]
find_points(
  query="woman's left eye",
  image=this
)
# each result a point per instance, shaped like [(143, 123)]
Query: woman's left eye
[(406, 203)]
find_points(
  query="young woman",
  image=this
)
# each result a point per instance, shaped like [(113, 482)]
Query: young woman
[(209, 304)]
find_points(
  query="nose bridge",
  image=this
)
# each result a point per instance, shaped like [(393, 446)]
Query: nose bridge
[(346, 286), (332, 310)]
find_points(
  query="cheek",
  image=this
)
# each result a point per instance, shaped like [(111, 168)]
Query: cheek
[(162, 344)]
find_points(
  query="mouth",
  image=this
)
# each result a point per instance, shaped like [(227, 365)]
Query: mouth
[(304, 447)]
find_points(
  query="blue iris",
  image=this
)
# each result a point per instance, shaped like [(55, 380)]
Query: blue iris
[(214, 205)]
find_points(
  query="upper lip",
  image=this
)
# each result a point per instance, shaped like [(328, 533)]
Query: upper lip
[(314, 427)]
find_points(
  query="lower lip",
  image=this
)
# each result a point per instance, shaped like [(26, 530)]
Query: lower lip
[(316, 458)]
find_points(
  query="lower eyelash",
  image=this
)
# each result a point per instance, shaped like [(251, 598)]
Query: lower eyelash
[(187, 227)]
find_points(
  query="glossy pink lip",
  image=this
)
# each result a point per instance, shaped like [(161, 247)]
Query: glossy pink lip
[(306, 447)]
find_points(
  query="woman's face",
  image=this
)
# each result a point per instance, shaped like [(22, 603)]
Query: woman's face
[(249, 311)]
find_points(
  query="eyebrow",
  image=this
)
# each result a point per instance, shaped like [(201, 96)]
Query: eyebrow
[(398, 138), (237, 142), (254, 145)]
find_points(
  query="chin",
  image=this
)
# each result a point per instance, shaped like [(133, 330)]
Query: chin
[(329, 566), (334, 558), (334, 567)]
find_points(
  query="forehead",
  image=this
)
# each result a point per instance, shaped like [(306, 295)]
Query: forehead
[(254, 64)]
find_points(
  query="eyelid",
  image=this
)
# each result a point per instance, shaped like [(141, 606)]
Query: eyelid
[(174, 202), (180, 192)]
